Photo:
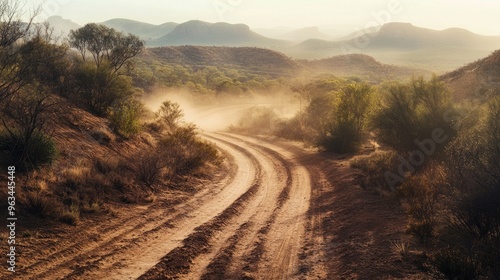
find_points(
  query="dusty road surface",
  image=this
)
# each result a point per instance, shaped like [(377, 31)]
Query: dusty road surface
[(280, 212)]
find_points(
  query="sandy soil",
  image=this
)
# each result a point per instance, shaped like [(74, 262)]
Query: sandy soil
[(280, 212)]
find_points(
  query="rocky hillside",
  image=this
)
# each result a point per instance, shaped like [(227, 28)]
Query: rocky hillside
[(477, 78)]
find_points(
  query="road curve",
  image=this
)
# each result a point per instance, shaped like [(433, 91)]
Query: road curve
[(250, 224)]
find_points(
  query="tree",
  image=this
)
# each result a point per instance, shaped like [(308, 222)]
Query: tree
[(106, 45), (12, 30), (170, 114), (25, 142), (411, 112), (346, 128)]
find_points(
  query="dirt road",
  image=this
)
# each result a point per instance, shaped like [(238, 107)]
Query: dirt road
[(280, 212), (251, 223)]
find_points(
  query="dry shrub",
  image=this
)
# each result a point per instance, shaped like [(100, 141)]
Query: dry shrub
[(150, 166), (420, 194), (375, 167), (185, 153), (40, 204), (71, 216), (106, 165)]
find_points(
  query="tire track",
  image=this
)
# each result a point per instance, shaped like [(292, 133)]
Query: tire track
[(284, 239), (116, 255), (228, 255), (178, 262)]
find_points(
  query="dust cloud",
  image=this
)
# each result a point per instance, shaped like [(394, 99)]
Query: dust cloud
[(217, 113)]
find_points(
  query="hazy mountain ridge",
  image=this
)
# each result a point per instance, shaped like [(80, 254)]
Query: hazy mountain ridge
[(62, 26), (404, 43), (246, 58), (361, 65), (202, 33), (145, 31), (274, 63)]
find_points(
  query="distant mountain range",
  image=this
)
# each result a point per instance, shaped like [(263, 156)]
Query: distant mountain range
[(202, 33), (145, 31), (393, 43), (403, 43), (273, 63)]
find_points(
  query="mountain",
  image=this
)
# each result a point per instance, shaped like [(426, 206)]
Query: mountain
[(404, 43), (362, 66), (61, 26), (273, 63), (297, 35), (145, 31), (263, 61), (475, 78), (201, 33)]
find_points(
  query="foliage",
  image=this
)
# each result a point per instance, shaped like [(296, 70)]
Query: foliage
[(24, 141), (106, 45), (345, 130), (169, 115), (125, 117), (185, 153), (420, 194), (412, 112)]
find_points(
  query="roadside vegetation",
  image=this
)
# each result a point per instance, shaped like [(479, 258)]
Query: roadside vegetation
[(74, 125)]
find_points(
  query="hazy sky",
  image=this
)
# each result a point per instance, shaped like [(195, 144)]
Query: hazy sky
[(480, 16)]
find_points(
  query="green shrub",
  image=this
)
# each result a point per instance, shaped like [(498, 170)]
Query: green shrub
[(125, 117), (99, 89), (345, 129), (343, 138), (413, 112), (39, 150)]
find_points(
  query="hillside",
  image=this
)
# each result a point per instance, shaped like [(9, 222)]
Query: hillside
[(253, 59), (404, 43), (145, 31), (363, 66), (201, 33), (482, 75)]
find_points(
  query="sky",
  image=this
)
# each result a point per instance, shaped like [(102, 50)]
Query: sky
[(479, 16)]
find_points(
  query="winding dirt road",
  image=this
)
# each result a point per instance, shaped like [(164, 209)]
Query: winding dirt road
[(251, 224), (279, 212)]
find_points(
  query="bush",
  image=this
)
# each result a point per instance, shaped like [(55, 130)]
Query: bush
[(185, 153), (125, 117), (150, 166), (374, 167), (420, 193), (343, 138), (39, 150), (169, 115), (456, 265), (345, 129), (71, 216), (412, 112), (39, 204), (98, 89)]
